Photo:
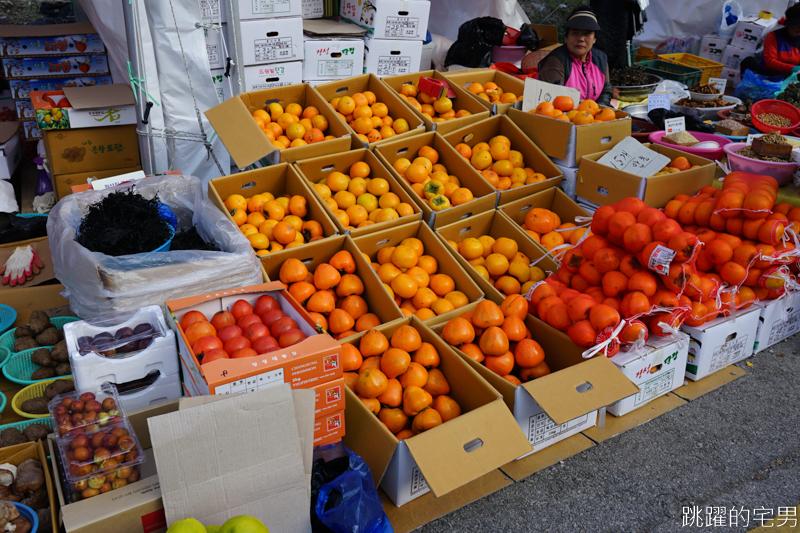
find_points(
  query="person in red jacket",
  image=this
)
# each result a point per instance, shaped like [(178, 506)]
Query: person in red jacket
[(781, 48)]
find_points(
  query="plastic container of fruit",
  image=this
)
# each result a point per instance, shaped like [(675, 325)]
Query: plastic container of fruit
[(76, 402), (7, 339), (20, 367), (776, 107), (780, 171), (31, 391), (714, 154)]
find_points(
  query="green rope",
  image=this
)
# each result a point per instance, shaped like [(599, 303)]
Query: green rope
[(136, 82)]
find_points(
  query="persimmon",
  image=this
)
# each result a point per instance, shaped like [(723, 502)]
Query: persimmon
[(599, 225), (437, 384), (458, 331), (415, 374), (370, 362), (515, 305), (632, 331), (426, 420), (582, 333), (664, 230), (536, 372), (415, 399), (493, 341), (442, 284), (676, 277), (619, 222), (426, 355), (447, 407), (394, 362), (630, 204), (578, 283), (558, 316), (320, 320), (371, 383), (634, 303), (605, 260), (592, 244), (355, 306), (372, 404), (321, 302), (528, 353), (718, 251), (590, 273), (394, 419), (501, 365), (541, 292), (350, 380), (636, 237), (193, 316), (602, 316), (733, 273), (373, 343), (649, 216), (486, 314), (644, 282), (349, 284), (614, 282), (326, 277), (684, 244), (579, 307), (514, 328), (197, 330), (351, 358), (472, 351), (220, 319), (406, 338)]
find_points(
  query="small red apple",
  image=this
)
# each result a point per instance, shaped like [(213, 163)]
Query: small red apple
[(59, 410), (134, 477), (67, 402), (82, 454), (100, 455), (118, 432), (89, 417), (126, 443), (81, 441), (87, 396), (77, 418), (109, 404), (109, 441), (93, 406), (77, 406)]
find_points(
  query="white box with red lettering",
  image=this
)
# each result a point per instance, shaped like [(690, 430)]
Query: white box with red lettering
[(389, 19), (260, 77), (332, 59), (271, 40), (779, 319), (721, 342), (384, 57), (751, 31), (657, 369)]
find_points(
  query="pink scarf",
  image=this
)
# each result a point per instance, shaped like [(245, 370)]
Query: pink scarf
[(590, 85)]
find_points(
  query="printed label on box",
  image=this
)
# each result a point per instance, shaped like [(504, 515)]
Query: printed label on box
[(209, 10), (252, 383), (335, 68), (313, 9), (402, 27), (273, 49), (729, 353), (332, 395), (655, 387), (269, 7), (394, 65), (543, 428), (334, 422), (784, 328), (154, 521), (418, 483)]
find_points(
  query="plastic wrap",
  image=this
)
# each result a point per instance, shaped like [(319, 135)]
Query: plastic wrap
[(475, 41), (731, 13), (757, 87), (97, 284)]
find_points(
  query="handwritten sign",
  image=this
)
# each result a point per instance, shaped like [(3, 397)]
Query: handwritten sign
[(657, 101), (674, 125), (537, 92), (631, 157), (718, 83)]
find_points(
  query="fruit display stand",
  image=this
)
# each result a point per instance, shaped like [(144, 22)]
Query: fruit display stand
[(371, 245), (398, 108), (603, 185), (482, 76), (461, 101), (317, 169), (567, 143), (494, 224), (279, 180), (233, 121), (444, 458), (779, 319), (533, 157), (485, 196), (35, 450)]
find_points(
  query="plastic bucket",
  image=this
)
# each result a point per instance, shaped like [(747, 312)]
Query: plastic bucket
[(28, 514), (508, 54), (165, 247)]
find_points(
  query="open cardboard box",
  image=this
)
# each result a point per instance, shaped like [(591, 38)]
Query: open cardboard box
[(533, 157), (446, 457), (318, 168), (92, 149), (398, 108), (84, 107), (485, 196), (721, 342), (507, 82), (567, 143), (372, 243), (378, 300), (34, 450), (462, 100), (247, 144), (314, 360), (495, 224), (604, 185), (276, 179), (559, 405), (779, 319)]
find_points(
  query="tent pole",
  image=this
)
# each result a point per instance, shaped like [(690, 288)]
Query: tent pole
[(130, 9)]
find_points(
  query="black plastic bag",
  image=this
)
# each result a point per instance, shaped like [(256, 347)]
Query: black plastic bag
[(476, 37), (14, 228), (658, 116), (528, 37)]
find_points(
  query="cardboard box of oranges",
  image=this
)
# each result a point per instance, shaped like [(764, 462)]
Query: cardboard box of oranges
[(495, 264), (401, 157), (484, 83), (260, 216), (357, 183), (439, 114), (442, 277), (359, 99), (527, 168), (248, 142), (483, 437)]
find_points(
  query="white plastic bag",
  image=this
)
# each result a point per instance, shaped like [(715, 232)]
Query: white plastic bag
[(98, 284), (676, 90), (8, 201), (731, 13)]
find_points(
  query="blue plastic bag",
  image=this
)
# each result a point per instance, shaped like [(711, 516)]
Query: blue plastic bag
[(757, 87), (355, 504)]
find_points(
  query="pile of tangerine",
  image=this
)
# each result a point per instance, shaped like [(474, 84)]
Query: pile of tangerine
[(369, 118), (293, 126)]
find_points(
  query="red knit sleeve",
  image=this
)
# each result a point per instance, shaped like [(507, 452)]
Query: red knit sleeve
[(771, 60)]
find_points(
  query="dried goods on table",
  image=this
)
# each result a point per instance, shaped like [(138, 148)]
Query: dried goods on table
[(628, 77), (716, 102), (791, 94), (772, 119), (681, 138), (703, 88), (732, 128)]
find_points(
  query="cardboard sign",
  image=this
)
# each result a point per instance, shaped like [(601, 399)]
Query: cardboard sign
[(718, 83), (658, 101), (537, 92), (674, 125), (107, 183), (630, 156)]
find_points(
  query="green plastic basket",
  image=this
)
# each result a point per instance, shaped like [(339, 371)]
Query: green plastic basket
[(25, 423), (7, 339), (3, 402), (20, 367), (672, 71)]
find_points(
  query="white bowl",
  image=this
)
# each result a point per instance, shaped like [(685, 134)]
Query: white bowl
[(701, 97)]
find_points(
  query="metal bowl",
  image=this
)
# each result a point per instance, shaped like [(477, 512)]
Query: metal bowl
[(702, 97), (637, 111), (639, 92), (707, 113)]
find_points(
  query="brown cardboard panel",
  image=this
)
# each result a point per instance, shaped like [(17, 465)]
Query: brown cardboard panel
[(27, 299), (244, 140), (463, 100), (16, 454), (46, 30), (118, 94), (87, 149), (319, 167), (692, 390), (398, 107), (616, 425), (509, 84), (41, 246), (533, 157), (7, 130), (63, 183), (547, 33), (428, 508), (485, 195), (522, 468)]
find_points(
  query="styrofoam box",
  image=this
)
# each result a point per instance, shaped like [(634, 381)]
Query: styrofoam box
[(259, 77), (389, 57), (221, 84), (733, 75), (712, 46), (214, 48), (271, 40), (332, 59), (732, 56), (721, 342), (779, 319), (165, 388), (389, 19), (259, 9), (657, 369), (750, 31), (213, 11), (92, 369)]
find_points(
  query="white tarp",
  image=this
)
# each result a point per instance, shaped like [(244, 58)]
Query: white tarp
[(684, 18), (447, 15)]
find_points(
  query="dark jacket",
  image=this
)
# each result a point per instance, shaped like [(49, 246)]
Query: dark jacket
[(557, 67)]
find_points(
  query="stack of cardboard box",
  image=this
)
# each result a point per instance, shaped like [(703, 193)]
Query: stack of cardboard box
[(750, 33), (332, 51), (395, 31)]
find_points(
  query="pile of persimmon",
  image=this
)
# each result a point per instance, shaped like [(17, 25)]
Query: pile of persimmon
[(367, 117), (497, 337), (679, 164), (500, 262), (244, 331), (414, 282), (436, 109), (331, 294), (399, 381), (293, 126), (358, 200), (503, 167), (430, 179), (541, 224), (563, 108), (272, 224), (493, 93)]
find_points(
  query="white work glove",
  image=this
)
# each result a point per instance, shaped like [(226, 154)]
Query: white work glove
[(23, 264)]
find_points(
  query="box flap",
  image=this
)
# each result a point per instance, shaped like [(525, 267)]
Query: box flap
[(243, 139), (630, 156), (330, 28), (537, 92), (234, 457), (7, 130), (452, 455), (47, 30), (558, 395), (117, 94)]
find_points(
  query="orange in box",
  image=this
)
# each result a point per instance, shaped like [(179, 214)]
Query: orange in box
[(315, 360), (329, 428), (329, 398)]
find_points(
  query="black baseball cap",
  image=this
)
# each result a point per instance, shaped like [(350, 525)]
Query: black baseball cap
[(582, 20)]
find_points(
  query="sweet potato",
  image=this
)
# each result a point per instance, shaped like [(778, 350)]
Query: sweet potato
[(45, 372), (35, 406), (64, 369), (41, 357), (11, 437), (25, 343), (59, 352), (24, 331), (59, 386), (48, 337), (45, 519), (37, 500), (36, 432), (39, 322)]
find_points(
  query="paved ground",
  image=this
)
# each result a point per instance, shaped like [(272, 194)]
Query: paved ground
[(737, 446)]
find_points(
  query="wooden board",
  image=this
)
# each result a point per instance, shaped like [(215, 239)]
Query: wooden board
[(616, 425), (694, 389), (522, 468)]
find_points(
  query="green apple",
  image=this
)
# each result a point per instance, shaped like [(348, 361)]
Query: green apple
[(187, 525), (213, 529), (243, 524)]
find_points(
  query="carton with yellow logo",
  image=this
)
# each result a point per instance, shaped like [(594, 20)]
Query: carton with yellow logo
[(84, 107)]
